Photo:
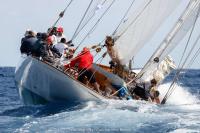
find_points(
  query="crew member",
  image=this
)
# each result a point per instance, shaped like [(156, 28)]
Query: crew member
[(52, 47), (60, 34), (154, 93), (115, 63), (28, 42), (53, 33), (84, 61)]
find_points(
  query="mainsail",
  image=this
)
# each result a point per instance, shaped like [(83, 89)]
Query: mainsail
[(141, 26), (177, 33)]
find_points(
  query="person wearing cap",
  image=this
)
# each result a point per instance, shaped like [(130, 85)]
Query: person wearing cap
[(60, 34), (28, 42), (84, 62)]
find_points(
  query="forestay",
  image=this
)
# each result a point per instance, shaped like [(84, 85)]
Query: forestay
[(178, 32), (90, 12), (141, 26)]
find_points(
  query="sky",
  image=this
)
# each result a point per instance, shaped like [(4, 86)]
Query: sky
[(39, 15)]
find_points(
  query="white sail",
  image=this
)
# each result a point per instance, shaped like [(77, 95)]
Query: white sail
[(141, 26), (177, 33)]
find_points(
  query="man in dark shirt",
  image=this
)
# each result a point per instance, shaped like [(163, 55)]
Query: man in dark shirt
[(28, 42), (40, 49)]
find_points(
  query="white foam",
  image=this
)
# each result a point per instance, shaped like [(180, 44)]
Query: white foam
[(184, 130), (180, 95)]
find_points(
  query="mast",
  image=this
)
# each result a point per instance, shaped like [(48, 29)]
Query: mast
[(178, 32)]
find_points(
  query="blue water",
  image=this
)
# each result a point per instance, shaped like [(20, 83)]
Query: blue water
[(180, 114)]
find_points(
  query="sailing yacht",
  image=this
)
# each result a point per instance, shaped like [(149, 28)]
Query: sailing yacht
[(42, 82)]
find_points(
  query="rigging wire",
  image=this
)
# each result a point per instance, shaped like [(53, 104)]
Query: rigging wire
[(62, 13), (102, 57), (92, 29), (82, 20), (190, 36), (122, 20), (194, 58), (93, 14), (136, 18), (176, 77), (83, 70), (162, 51)]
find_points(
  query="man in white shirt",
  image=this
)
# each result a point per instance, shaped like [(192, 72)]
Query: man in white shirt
[(61, 46)]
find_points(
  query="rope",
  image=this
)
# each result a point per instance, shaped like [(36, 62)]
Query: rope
[(61, 15), (95, 25), (122, 20), (88, 19), (176, 77), (82, 19)]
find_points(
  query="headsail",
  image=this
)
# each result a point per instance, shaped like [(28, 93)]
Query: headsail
[(178, 32), (141, 26)]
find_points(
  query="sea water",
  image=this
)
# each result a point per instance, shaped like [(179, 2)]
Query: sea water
[(181, 113)]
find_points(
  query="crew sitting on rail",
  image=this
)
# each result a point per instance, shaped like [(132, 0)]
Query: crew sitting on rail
[(84, 62), (150, 94), (52, 47), (53, 32), (60, 34), (41, 48), (63, 46), (28, 42), (140, 93)]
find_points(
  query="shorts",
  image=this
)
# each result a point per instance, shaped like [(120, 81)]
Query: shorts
[(141, 92)]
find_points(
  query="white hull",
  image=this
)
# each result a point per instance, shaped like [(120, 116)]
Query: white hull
[(39, 83)]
